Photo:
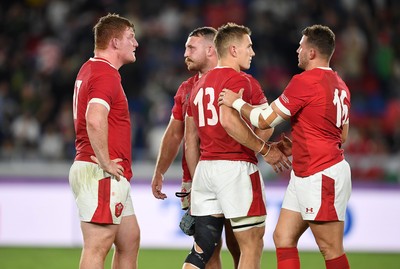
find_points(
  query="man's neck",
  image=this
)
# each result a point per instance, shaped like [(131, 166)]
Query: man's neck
[(110, 57), (228, 63), (210, 66), (318, 64)]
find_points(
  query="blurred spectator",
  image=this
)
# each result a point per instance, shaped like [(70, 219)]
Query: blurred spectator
[(353, 50), (51, 144), (25, 130)]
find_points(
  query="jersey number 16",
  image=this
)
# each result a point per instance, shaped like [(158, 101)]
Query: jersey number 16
[(342, 110)]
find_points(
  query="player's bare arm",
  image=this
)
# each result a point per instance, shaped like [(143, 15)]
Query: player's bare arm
[(266, 133), (97, 129), (262, 118), (241, 132), (192, 144), (345, 132), (234, 100), (169, 148), (285, 145)]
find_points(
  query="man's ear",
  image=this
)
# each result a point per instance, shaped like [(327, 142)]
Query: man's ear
[(312, 54), (233, 50), (210, 51), (114, 42)]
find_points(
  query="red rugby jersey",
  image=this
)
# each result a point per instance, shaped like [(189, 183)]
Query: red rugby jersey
[(98, 79), (215, 143), (318, 102)]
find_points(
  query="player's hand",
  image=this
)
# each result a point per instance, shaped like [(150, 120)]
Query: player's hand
[(184, 194), (277, 159), (156, 186), (227, 97), (285, 145), (112, 167)]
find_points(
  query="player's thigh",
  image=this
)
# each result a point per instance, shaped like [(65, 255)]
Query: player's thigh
[(289, 228), (328, 234), (98, 236), (128, 234), (250, 239)]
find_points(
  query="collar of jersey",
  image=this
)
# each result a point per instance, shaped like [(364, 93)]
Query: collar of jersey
[(98, 59), (325, 68)]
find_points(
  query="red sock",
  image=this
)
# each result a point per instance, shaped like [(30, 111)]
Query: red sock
[(338, 263), (288, 258)]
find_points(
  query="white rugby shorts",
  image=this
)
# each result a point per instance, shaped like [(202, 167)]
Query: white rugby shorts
[(322, 196), (232, 188), (99, 196)]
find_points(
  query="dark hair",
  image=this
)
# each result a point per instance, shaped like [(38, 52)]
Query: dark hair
[(208, 32), (108, 27), (322, 38), (228, 33)]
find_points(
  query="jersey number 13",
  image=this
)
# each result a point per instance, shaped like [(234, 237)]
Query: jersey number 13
[(198, 101)]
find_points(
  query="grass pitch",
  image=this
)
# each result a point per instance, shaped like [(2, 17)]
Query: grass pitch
[(67, 258)]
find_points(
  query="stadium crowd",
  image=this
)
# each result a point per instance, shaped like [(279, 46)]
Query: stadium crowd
[(44, 42)]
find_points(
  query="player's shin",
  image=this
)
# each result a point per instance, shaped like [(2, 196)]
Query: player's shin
[(338, 263), (288, 258)]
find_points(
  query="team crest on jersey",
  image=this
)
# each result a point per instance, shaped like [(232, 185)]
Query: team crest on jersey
[(118, 209)]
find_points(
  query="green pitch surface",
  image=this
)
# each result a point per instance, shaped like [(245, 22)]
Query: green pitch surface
[(67, 258)]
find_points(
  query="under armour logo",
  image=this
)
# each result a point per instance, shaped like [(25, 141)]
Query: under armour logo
[(309, 210)]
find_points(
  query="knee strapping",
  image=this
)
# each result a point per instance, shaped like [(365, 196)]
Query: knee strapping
[(207, 234)]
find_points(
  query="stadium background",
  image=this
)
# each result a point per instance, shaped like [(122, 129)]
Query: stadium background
[(43, 44)]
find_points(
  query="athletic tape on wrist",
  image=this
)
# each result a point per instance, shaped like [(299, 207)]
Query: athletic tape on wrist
[(238, 103)]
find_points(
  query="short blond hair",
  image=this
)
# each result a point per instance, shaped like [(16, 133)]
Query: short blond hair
[(227, 34)]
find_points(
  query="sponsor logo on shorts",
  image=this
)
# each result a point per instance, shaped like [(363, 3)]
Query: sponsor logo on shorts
[(309, 210), (118, 209)]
